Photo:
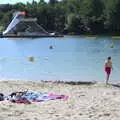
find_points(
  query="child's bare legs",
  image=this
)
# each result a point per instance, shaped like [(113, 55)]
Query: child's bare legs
[(107, 78)]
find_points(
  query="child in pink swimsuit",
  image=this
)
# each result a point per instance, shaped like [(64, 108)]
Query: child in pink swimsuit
[(108, 67)]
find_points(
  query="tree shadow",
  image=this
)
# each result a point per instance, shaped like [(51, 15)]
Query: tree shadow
[(80, 82), (115, 85)]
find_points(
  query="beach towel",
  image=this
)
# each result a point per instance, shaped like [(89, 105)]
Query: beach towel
[(38, 97), (29, 97), (23, 100), (54, 96)]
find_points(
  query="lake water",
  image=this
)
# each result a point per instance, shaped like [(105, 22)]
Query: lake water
[(72, 58)]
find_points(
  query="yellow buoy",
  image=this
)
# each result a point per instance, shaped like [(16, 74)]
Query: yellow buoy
[(31, 58)]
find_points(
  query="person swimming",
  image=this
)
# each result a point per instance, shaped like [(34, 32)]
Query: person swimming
[(108, 67)]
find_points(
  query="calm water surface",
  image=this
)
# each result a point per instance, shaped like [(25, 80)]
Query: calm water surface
[(72, 58)]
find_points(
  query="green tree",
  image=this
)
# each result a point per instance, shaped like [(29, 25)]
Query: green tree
[(74, 24), (94, 15), (42, 2), (77, 16), (53, 2), (113, 17)]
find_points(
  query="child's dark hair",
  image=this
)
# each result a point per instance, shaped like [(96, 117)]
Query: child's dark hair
[(109, 58)]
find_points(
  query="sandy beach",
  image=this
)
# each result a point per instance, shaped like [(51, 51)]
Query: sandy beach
[(86, 102)]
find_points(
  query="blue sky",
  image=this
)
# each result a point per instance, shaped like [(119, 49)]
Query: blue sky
[(15, 1)]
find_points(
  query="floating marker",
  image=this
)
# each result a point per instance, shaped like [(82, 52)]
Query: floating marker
[(112, 45), (50, 47), (31, 58)]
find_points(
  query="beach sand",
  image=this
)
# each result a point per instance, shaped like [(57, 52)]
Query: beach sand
[(86, 102)]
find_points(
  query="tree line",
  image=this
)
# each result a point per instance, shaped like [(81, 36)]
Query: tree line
[(69, 16)]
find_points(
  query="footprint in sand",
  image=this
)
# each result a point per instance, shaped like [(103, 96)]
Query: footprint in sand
[(36, 119), (18, 113), (105, 114), (4, 109)]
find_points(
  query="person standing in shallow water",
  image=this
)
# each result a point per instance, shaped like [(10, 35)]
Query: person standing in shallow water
[(108, 68)]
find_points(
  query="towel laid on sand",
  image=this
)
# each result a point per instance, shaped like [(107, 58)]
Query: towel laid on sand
[(28, 97), (38, 97)]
